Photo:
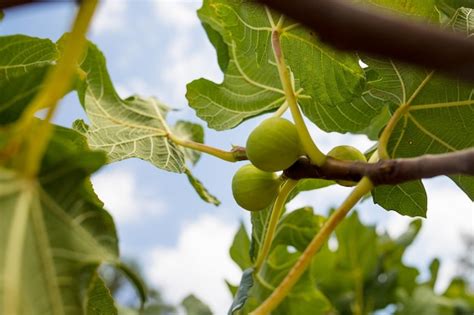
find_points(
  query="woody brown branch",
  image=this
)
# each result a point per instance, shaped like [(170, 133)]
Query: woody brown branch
[(387, 172), (356, 28)]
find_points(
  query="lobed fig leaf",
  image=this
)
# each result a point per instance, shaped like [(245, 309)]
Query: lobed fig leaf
[(254, 189), (347, 153), (274, 145)]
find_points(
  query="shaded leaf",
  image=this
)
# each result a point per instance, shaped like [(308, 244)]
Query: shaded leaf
[(52, 228), (422, 302), (434, 269), (18, 91), (99, 300), (20, 54), (200, 189), (242, 294), (304, 297), (413, 8), (466, 183), (459, 291), (298, 228), (294, 231), (194, 306), (407, 198), (240, 248)]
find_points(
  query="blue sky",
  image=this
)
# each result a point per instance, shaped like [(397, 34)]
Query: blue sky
[(155, 47)]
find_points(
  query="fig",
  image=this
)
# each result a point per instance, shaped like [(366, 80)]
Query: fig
[(347, 153), (274, 145), (254, 189)]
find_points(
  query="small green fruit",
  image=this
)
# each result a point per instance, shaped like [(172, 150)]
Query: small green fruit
[(347, 153), (254, 189), (274, 145)]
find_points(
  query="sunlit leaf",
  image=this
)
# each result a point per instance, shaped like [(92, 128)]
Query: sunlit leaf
[(134, 127), (189, 131), (326, 81)]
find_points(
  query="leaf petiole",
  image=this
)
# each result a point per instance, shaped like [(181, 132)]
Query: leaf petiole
[(310, 148), (230, 156)]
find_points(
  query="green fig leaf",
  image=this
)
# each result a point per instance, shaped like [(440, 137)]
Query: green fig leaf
[(134, 127), (54, 231), (202, 191), (239, 250), (189, 131), (251, 83), (194, 306), (407, 198), (20, 54), (99, 299)]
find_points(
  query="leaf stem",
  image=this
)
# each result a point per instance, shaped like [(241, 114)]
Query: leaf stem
[(56, 85), (363, 187), (310, 148), (230, 156), (277, 209)]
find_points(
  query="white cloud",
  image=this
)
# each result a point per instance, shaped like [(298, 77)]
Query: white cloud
[(110, 16), (118, 189), (178, 14), (198, 264), (189, 54)]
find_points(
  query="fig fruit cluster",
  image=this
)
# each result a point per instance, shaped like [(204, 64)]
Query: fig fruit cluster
[(346, 153), (273, 146)]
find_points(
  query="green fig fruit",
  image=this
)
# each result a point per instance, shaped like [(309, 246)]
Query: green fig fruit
[(254, 189), (274, 145), (346, 153)]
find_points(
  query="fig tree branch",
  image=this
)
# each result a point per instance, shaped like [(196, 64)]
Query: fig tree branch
[(387, 172), (357, 28)]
